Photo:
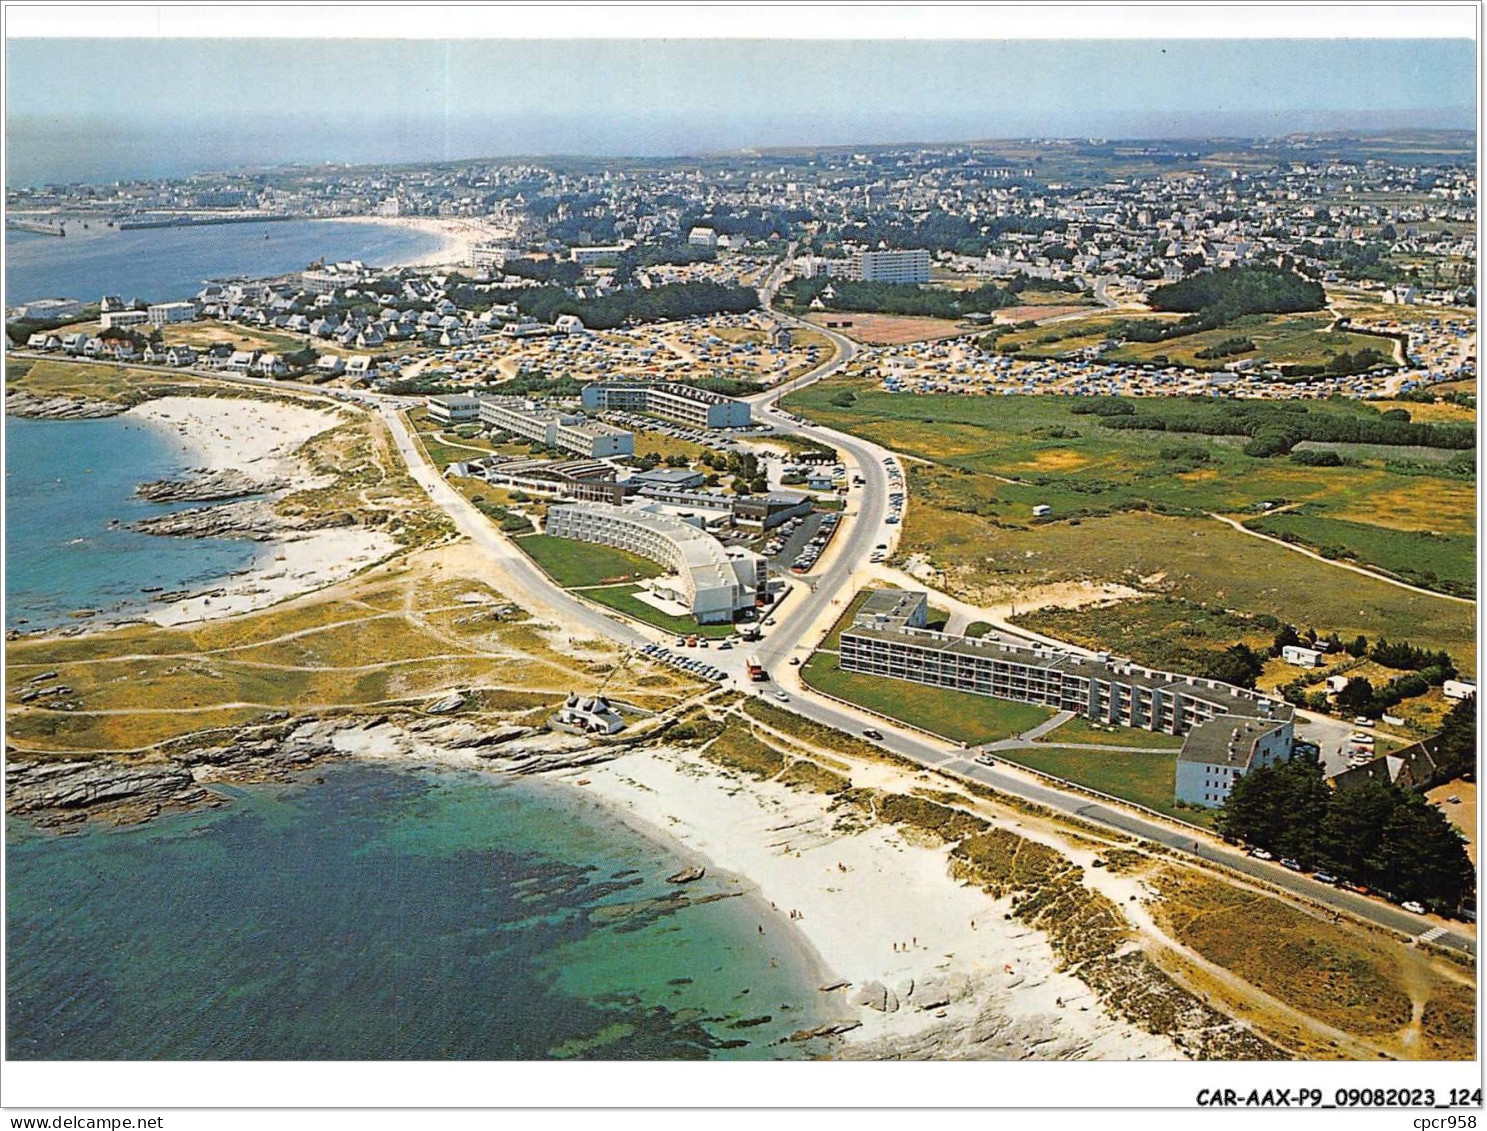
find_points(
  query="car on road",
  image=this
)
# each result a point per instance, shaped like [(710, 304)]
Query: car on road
[(1324, 877), (1287, 862), (871, 733), (1359, 889), (1413, 908), (985, 760), (1260, 854), (782, 697)]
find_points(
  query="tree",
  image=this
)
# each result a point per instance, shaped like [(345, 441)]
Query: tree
[(1359, 647), (1421, 856), (1287, 637), (1239, 665), (1356, 696), (1353, 826), (1456, 745)]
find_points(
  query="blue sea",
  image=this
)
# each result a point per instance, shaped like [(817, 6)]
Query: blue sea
[(65, 481), (364, 912), (376, 913), (165, 264)]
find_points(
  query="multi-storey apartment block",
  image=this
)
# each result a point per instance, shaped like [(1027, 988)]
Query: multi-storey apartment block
[(888, 638), (670, 401), (571, 431)]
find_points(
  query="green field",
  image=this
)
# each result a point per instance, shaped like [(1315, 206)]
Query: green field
[(957, 715), (621, 598), (1133, 508), (1447, 562), (1146, 779), (1081, 731), (573, 564), (1280, 339)]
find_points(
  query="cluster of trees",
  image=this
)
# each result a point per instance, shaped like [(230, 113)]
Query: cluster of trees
[(748, 477), (667, 303), (1375, 833), (1232, 292), (902, 298), (1275, 427), (753, 224), (1213, 299), (1240, 665), (1229, 347), (1423, 670), (1344, 364)]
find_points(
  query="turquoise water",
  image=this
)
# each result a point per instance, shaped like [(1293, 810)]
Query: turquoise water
[(377, 913), (160, 264), (64, 482)]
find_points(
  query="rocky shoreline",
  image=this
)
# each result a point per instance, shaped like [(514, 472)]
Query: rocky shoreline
[(21, 402), (204, 485), (58, 792), (253, 519)]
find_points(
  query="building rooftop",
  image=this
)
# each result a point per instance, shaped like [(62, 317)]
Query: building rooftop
[(893, 604), (1228, 740)]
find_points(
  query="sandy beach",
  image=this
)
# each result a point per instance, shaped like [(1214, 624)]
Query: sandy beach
[(459, 234), (877, 908), (258, 439)]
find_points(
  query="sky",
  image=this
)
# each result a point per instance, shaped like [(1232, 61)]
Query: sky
[(100, 109)]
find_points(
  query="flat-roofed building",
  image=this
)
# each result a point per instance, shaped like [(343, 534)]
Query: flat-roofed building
[(571, 431), (43, 309), (1219, 752), (909, 266), (887, 638), (491, 257), (669, 400), (588, 256), (453, 408), (715, 582), (118, 319), (164, 313)]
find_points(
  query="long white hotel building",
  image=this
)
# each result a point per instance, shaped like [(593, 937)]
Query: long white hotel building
[(1229, 729), (714, 581), (669, 400)]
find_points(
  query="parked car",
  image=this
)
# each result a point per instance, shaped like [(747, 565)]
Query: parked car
[(1324, 877), (1413, 908), (1261, 854), (1287, 862)]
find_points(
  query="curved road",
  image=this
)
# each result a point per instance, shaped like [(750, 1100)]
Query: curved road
[(524, 583)]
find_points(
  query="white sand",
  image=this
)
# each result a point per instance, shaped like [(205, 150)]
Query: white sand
[(256, 437), (459, 234), (892, 892), (259, 438)]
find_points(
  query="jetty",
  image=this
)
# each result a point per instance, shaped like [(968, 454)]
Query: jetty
[(40, 227)]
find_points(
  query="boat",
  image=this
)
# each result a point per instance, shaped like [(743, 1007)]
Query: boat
[(686, 875)]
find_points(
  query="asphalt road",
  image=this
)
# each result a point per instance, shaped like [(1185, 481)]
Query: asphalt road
[(528, 586)]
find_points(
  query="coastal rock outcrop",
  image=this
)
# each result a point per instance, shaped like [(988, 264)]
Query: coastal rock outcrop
[(208, 486), (250, 519), (22, 402)]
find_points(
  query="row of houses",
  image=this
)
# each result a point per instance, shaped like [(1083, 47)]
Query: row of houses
[(111, 349)]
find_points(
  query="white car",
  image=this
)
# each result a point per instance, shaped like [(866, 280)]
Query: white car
[(782, 697), (1413, 908)]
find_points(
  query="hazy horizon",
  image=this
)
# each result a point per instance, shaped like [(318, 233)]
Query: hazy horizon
[(100, 110)]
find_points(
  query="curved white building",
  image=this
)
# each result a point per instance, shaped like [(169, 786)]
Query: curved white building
[(715, 582)]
